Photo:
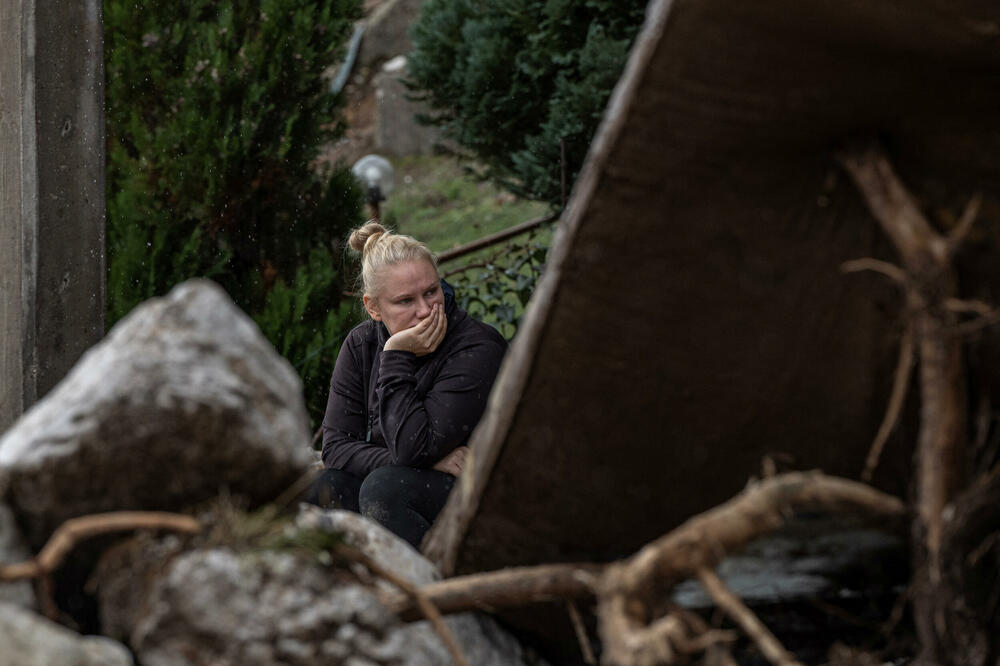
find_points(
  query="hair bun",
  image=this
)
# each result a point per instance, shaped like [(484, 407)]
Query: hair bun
[(362, 236)]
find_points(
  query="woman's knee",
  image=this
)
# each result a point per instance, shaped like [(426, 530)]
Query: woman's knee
[(334, 488), (393, 489), (384, 490)]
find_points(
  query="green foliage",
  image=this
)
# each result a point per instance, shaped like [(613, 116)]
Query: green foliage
[(307, 326), (215, 116), (511, 80), (497, 288)]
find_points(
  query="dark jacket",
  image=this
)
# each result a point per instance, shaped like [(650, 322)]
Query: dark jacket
[(393, 407)]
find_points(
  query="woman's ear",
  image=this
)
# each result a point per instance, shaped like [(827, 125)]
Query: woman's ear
[(372, 307)]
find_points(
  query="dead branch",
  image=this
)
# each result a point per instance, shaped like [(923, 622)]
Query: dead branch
[(429, 610), (704, 540), (900, 387), (957, 235), (581, 634), (892, 271), (931, 287), (627, 589), (978, 307), (716, 652), (926, 255), (976, 325), (75, 530), (895, 209), (987, 315), (745, 618), (623, 588), (516, 586)]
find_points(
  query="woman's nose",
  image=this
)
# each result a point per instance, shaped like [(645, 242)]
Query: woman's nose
[(424, 308)]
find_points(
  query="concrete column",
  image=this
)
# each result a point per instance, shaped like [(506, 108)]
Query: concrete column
[(51, 194)]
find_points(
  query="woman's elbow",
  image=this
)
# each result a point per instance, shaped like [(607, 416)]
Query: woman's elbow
[(420, 452), (411, 458)]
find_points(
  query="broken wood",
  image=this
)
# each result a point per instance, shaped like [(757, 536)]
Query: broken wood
[(75, 530), (494, 590), (891, 271)]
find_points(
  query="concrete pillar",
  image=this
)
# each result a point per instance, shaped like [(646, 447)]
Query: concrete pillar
[(51, 194)]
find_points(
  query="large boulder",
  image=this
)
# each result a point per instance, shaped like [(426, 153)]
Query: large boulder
[(182, 399), (28, 639), (222, 605), (14, 549)]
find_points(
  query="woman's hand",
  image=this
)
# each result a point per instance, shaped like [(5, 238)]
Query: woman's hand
[(423, 338), (454, 462)]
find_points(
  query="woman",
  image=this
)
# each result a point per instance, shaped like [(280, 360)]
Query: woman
[(409, 386)]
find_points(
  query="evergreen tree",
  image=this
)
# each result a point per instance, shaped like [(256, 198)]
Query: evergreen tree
[(216, 113), (512, 81)]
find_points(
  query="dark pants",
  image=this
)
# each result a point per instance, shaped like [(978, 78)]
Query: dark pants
[(405, 500)]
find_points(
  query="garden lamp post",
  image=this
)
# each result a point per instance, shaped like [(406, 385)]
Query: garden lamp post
[(376, 174)]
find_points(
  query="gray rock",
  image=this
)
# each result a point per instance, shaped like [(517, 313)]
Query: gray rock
[(397, 131), (183, 398), (378, 543), (13, 549), (481, 638), (267, 607), (123, 577), (387, 31), (28, 639)]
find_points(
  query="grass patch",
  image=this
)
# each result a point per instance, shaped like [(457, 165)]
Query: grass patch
[(437, 202)]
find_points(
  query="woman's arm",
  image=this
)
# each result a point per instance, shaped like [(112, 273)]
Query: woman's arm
[(345, 428), (420, 432)]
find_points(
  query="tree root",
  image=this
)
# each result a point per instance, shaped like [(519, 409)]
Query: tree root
[(627, 590), (75, 530), (421, 599)]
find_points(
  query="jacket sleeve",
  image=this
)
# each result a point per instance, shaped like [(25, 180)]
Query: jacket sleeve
[(422, 430), (344, 424)]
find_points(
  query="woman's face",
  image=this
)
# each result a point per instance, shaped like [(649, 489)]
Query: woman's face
[(409, 290)]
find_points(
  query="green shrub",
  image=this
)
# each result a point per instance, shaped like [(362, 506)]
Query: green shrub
[(511, 80), (497, 287), (215, 116), (306, 328)]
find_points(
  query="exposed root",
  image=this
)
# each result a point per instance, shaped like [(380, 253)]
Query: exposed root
[(900, 387), (75, 530), (769, 645), (425, 605)]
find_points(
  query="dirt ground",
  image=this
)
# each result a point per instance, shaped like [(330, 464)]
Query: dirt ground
[(359, 110)]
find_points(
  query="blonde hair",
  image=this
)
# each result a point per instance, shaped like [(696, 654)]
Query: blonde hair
[(379, 248)]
